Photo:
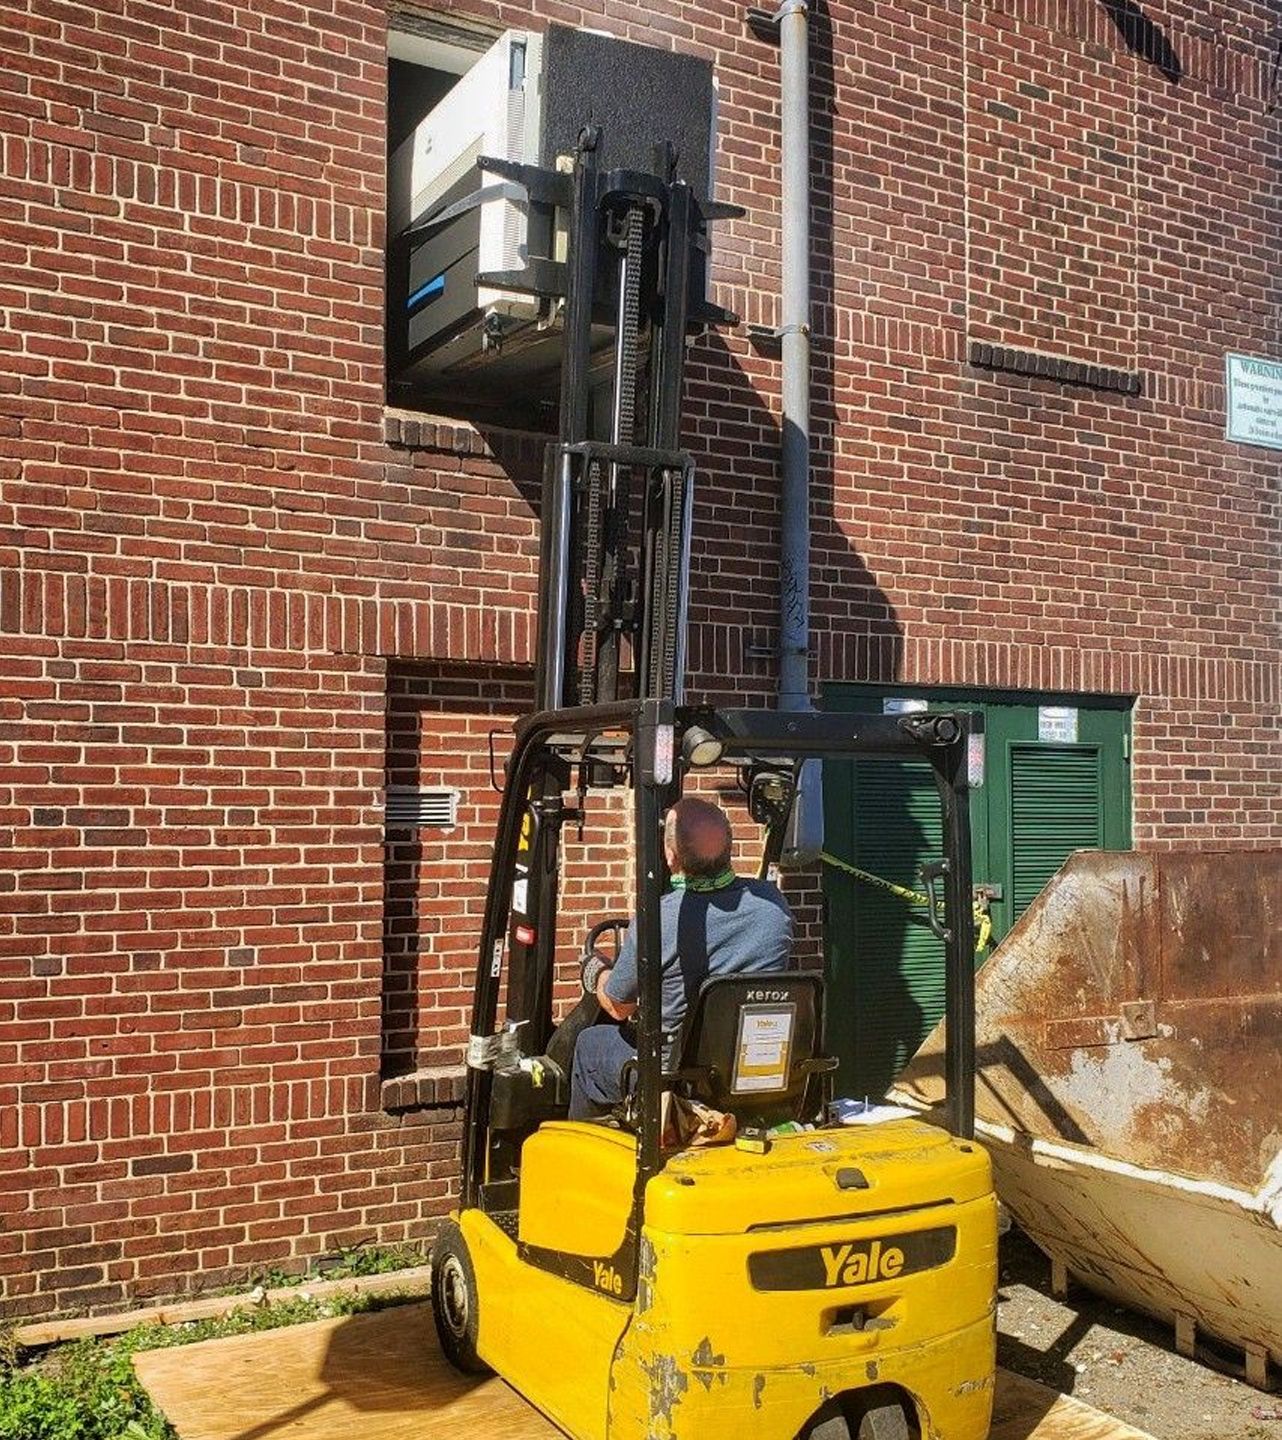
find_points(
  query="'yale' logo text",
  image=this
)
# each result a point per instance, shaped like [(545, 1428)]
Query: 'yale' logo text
[(607, 1278), (852, 1262), (844, 1265)]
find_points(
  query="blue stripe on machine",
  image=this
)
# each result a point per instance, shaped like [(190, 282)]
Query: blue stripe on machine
[(426, 292)]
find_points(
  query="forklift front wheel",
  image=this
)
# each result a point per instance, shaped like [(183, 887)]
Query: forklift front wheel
[(454, 1301)]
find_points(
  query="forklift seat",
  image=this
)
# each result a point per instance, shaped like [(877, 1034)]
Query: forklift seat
[(748, 1046)]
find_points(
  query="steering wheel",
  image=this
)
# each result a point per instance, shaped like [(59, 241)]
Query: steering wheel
[(618, 927), (588, 1010)]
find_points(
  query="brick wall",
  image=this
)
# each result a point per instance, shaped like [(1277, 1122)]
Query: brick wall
[(215, 546), (439, 723)]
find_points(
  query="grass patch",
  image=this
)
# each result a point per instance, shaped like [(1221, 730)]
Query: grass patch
[(345, 1264), (87, 1390)]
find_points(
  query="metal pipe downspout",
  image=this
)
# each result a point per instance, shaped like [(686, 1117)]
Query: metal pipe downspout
[(805, 839), (794, 558)]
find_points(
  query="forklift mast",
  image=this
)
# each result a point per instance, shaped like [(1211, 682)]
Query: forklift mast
[(613, 573), (610, 711), (616, 508)]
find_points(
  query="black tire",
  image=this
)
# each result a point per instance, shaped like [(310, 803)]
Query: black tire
[(455, 1304), (878, 1415), (829, 1424), (886, 1422)]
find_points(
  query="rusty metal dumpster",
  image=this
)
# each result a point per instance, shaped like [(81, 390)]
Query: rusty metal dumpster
[(1130, 1086)]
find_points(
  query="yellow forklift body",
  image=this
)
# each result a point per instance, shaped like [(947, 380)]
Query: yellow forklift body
[(552, 1340), (576, 1187), (838, 1259)]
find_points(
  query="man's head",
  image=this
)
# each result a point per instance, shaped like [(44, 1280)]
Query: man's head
[(697, 838)]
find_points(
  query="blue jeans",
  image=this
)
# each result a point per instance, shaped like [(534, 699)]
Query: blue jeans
[(595, 1084)]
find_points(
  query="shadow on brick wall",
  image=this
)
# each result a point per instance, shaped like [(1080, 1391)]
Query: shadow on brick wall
[(1144, 38), (736, 545)]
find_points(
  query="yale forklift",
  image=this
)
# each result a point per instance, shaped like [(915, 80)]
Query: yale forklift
[(811, 1280)]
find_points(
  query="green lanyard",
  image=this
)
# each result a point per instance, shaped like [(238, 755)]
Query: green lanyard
[(699, 884)]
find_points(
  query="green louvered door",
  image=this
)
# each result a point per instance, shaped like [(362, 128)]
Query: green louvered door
[(1055, 808), (1056, 780)]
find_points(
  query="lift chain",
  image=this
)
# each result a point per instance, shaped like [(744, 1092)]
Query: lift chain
[(672, 587), (604, 527), (591, 584), (626, 400)]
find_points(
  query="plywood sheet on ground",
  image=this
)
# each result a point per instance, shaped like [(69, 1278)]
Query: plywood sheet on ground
[(378, 1376), (1025, 1410), (381, 1377)]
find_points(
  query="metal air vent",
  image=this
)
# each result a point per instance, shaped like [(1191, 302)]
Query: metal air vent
[(435, 806)]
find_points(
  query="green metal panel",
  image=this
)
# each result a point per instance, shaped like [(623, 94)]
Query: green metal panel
[(1043, 799), (1056, 808), (1040, 801)]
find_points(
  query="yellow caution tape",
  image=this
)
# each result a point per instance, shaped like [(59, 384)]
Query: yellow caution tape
[(983, 920)]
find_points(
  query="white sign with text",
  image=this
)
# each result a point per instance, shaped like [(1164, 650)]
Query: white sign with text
[(1255, 400)]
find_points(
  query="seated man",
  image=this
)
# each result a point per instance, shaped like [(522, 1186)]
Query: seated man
[(712, 922)]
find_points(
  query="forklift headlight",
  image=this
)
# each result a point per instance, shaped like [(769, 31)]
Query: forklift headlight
[(700, 747)]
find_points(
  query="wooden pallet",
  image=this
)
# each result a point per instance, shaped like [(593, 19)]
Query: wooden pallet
[(381, 1377)]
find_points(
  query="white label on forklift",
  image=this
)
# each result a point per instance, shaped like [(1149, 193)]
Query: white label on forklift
[(664, 746), (764, 1049), (496, 960), (904, 705), (520, 896), (1057, 723)]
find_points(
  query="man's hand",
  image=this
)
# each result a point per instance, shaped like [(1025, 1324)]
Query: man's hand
[(595, 973), (595, 968)]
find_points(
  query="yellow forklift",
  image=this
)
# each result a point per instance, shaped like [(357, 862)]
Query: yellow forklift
[(821, 1282), (837, 1283)]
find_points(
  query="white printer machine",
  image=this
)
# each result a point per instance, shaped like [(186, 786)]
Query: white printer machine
[(525, 100)]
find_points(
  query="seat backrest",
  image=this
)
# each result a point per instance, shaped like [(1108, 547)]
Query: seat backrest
[(749, 1042)]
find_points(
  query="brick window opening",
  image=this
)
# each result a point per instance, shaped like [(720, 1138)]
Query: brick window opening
[(484, 353), (441, 722), (472, 332)]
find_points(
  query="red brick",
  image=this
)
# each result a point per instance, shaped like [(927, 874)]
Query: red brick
[(224, 541)]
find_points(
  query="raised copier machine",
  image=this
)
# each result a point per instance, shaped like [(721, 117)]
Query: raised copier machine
[(477, 281)]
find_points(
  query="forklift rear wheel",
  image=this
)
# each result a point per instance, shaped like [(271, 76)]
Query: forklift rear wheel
[(885, 1422), (871, 1417), (454, 1301)]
